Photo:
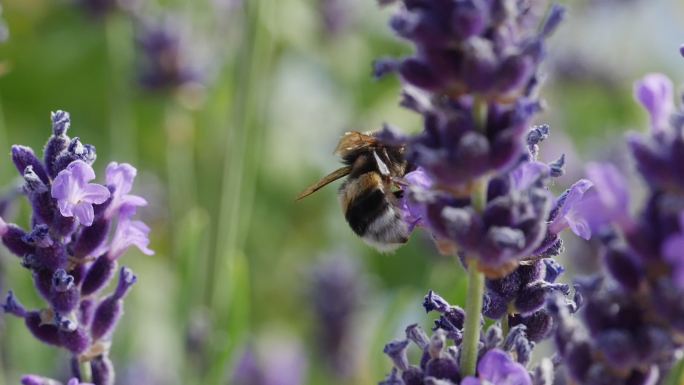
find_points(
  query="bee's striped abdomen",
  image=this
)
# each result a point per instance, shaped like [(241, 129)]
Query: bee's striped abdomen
[(370, 214)]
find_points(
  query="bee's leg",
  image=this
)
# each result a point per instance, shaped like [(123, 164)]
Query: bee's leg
[(400, 182)]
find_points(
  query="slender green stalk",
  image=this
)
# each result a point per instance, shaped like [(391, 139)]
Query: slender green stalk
[(229, 265), (505, 326), (471, 330), (86, 372)]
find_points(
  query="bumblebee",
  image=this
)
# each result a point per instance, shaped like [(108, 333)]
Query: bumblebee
[(370, 196)]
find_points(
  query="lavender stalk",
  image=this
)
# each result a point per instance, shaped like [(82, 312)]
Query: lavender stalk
[(79, 230), (472, 325)]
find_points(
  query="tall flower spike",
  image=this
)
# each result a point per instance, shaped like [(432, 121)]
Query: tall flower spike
[(75, 196), (70, 223), (632, 314)]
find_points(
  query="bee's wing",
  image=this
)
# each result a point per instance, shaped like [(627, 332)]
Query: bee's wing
[(382, 167), (333, 176), (354, 140)]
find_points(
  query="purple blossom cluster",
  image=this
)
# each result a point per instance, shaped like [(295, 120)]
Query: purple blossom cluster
[(336, 295), (78, 230), (163, 61), (478, 186), (480, 190), (502, 358), (633, 317)]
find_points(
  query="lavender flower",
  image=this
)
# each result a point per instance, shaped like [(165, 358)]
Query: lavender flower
[(497, 368), (120, 178), (474, 80), (163, 59), (502, 359), (70, 226), (632, 317), (521, 297), (519, 219), (75, 196), (336, 294)]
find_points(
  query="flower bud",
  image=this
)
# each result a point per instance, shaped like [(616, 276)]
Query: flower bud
[(42, 328), (91, 238), (14, 239), (77, 340), (396, 350), (102, 371), (64, 296), (24, 157), (98, 275), (110, 309)]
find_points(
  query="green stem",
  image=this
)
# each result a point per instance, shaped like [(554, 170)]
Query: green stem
[(86, 372), (471, 330), (505, 326)]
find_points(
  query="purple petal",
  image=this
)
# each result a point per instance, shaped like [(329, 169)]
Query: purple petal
[(133, 200), (528, 173), (121, 177), (129, 233), (568, 216), (498, 368), (419, 177), (65, 208), (61, 185), (612, 191), (37, 380), (94, 193), (84, 212), (415, 211), (471, 381), (580, 227), (654, 92), (81, 171)]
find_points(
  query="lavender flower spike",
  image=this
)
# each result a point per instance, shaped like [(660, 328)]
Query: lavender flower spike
[(497, 368), (120, 179), (75, 196)]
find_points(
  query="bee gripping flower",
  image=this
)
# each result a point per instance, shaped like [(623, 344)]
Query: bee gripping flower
[(75, 196)]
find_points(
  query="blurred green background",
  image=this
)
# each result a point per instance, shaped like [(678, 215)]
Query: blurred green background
[(236, 257)]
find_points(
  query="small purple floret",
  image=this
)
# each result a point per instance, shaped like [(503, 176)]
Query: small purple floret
[(75, 196), (497, 368)]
